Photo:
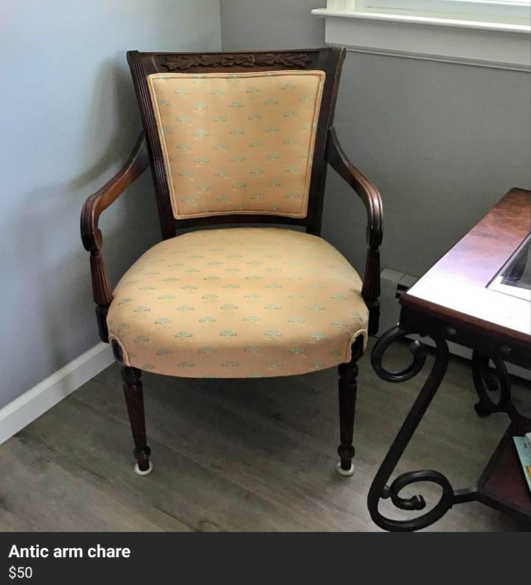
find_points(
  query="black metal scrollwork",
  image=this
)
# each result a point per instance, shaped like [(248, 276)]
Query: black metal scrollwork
[(486, 384), (417, 349), (379, 489), (417, 502)]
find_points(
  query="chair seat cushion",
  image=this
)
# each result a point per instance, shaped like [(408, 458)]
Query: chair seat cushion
[(237, 303)]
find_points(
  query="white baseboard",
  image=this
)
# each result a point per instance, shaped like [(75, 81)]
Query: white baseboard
[(36, 401)]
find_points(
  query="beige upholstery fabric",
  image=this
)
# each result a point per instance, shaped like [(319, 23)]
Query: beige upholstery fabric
[(235, 303), (238, 143)]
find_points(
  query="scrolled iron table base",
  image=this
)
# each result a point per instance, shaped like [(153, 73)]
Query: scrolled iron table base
[(485, 385)]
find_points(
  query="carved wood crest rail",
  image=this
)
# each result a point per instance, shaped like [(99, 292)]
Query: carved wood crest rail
[(183, 62)]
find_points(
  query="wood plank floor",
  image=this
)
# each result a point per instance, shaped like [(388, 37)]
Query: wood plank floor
[(240, 455)]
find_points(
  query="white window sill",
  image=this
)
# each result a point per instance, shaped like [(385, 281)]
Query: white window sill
[(486, 44)]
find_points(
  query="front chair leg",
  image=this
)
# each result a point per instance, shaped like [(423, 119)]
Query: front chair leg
[(134, 398), (348, 386)]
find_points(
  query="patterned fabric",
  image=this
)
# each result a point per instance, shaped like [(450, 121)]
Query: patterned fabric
[(238, 143), (236, 303)]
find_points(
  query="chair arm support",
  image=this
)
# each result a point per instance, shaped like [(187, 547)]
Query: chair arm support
[(91, 235), (372, 200), (97, 203), (369, 194)]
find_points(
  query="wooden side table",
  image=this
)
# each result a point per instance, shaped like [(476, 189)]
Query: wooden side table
[(479, 296)]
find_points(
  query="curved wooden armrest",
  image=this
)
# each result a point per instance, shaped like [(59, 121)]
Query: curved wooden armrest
[(369, 194), (97, 203), (91, 235), (372, 200)]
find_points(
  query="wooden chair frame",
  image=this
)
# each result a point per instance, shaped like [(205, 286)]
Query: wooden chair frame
[(148, 153)]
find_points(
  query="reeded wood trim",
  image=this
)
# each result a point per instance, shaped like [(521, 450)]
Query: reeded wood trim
[(101, 284), (371, 289)]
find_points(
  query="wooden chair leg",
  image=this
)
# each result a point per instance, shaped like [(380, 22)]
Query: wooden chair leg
[(348, 386), (134, 398)]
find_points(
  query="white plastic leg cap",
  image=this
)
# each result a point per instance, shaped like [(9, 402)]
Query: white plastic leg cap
[(138, 471), (345, 472)]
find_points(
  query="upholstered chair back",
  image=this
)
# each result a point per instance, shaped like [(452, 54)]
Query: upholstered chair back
[(238, 142), (238, 135)]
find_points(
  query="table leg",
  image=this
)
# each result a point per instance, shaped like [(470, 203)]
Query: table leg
[(486, 384), (380, 489)]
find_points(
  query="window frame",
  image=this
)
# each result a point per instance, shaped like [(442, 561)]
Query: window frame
[(367, 26), (495, 11)]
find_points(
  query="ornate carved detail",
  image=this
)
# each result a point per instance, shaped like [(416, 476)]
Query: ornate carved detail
[(184, 62)]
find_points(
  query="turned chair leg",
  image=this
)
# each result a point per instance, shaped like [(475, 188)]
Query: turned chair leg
[(347, 409), (134, 398)]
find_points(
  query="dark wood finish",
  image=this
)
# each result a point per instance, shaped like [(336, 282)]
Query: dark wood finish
[(332, 66), (94, 206), (158, 169), (371, 289), (368, 193), (456, 287), (148, 152), (348, 387), (134, 399), (285, 60), (240, 219), (338, 160), (92, 237)]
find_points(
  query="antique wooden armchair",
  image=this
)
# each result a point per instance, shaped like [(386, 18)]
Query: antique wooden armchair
[(237, 138)]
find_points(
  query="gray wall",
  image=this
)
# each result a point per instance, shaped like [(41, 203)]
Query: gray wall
[(69, 119), (442, 142), (270, 24)]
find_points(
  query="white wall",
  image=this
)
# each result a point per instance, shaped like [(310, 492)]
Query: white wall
[(68, 120), (442, 142)]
